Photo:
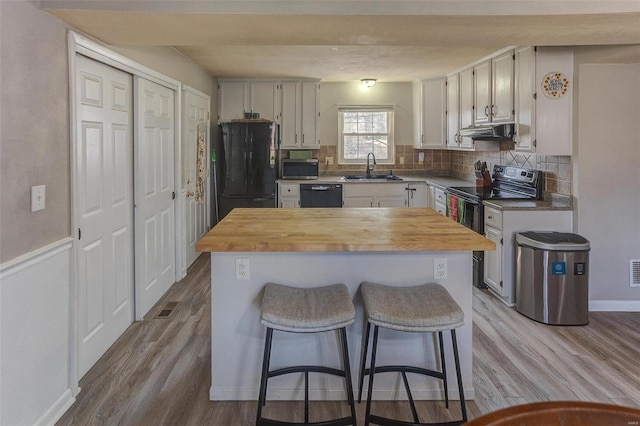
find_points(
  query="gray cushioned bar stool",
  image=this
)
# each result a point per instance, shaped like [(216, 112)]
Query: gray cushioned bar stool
[(306, 310), (427, 308)]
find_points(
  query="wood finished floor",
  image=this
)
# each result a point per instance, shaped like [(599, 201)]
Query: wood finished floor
[(158, 372)]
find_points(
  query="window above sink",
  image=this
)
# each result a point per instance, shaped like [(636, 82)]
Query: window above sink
[(365, 129)]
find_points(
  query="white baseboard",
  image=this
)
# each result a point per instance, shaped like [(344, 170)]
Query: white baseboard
[(57, 410), (614, 305)]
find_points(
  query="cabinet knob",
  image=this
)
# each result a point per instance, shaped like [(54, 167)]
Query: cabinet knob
[(486, 110), (489, 217)]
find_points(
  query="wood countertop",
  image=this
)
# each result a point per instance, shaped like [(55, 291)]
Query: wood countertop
[(340, 230)]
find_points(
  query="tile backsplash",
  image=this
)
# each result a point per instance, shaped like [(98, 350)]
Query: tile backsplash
[(458, 164)]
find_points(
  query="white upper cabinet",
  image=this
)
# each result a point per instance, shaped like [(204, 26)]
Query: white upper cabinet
[(453, 111), (429, 112), (233, 99), (554, 110), (295, 105), (493, 97), (300, 115), (544, 117), (524, 99), (482, 94), (466, 106), (290, 121), (502, 87), (264, 98), (310, 115), (459, 109)]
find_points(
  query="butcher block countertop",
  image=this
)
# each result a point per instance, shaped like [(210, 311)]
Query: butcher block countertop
[(340, 230)]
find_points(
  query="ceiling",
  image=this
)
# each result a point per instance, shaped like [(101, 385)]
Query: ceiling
[(335, 40)]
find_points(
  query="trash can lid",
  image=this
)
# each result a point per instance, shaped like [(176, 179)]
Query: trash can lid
[(556, 241)]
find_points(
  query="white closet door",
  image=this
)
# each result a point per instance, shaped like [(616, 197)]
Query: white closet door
[(104, 206), (154, 193), (196, 125)]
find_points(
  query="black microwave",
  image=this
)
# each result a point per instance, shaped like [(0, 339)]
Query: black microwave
[(299, 169)]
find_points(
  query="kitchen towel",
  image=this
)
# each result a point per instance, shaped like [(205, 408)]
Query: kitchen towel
[(461, 210), (452, 207)]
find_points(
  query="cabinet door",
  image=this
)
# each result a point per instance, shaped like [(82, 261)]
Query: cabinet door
[(466, 105), (289, 203), (309, 116), (390, 201), (524, 90), (358, 201), (453, 111), (232, 100), (502, 87), (493, 260), (417, 195), (264, 98), (433, 116), (431, 196), (290, 114), (482, 92)]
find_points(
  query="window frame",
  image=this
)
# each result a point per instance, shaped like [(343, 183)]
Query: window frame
[(390, 110)]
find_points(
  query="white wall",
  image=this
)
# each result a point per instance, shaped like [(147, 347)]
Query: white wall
[(607, 178), (352, 93)]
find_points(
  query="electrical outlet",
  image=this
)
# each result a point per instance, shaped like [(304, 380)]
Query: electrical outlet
[(401, 160), (329, 161), (440, 269), (420, 157), (243, 272)]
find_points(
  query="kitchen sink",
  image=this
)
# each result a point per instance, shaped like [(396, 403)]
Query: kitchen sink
[(372, 177)]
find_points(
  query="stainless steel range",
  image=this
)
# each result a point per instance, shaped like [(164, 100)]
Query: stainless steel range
[(509, 183)]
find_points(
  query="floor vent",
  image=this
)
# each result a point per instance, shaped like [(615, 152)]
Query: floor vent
[(168, 310), (634, 272)]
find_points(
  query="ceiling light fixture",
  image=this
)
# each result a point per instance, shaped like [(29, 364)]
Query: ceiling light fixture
[(368, 82)]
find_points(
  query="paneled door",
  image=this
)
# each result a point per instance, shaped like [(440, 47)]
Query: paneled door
[(194, 181), (104, 207), (154, 110)]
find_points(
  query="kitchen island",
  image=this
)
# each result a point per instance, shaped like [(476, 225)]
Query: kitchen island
[(315, 247)]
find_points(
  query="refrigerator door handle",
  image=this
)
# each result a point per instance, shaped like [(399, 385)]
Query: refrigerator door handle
[(246, 170)]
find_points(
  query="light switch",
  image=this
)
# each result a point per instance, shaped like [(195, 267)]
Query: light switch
[(37, 197)]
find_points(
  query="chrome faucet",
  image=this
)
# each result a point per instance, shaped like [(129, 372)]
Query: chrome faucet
[(370, 168)]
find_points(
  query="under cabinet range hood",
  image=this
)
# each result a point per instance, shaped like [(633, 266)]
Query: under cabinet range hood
[(490, 132)]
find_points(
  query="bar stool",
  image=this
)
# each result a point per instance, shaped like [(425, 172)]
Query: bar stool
[(306, 310), (427, 308)]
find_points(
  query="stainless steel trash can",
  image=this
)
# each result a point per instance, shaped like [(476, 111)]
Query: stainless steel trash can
[(552, 277)]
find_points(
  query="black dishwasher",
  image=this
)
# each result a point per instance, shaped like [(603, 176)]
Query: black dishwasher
[(320, 195)]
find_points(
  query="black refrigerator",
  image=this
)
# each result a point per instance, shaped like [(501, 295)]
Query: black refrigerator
[(249, 160)]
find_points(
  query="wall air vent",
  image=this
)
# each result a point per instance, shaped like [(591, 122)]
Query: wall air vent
[(634, 272)]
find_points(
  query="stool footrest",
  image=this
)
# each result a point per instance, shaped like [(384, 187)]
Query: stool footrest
[(345, 421), (406, 369), (383, 421), (306, 369)]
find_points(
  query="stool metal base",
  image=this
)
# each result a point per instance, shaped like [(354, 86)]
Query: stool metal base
[(442, 375), (306, 369)]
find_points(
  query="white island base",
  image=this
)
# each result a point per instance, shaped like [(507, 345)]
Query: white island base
[(238, 337)]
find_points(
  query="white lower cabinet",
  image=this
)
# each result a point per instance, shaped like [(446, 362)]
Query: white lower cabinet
[(288, 195), (440, 201), (501, 227), (417, 194), (374, 195)]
